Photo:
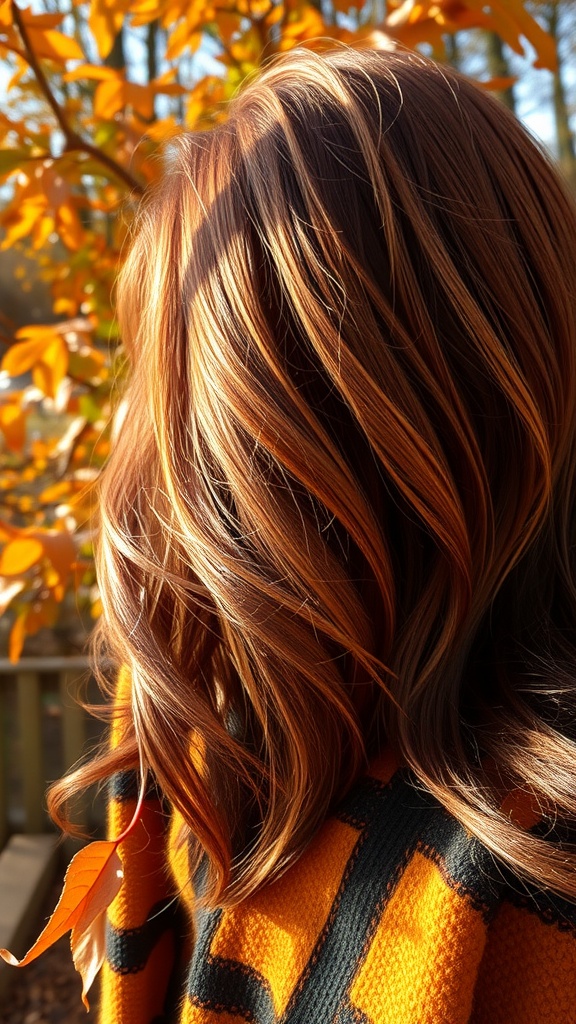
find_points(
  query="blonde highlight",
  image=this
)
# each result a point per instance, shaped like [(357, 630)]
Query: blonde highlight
[(339, 514)]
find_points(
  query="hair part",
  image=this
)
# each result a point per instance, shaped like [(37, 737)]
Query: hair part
[(339, 512)]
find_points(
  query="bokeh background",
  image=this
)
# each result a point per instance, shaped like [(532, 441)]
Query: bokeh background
[(90, 95)]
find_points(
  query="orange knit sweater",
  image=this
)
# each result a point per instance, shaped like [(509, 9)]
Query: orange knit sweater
[(393, 915)]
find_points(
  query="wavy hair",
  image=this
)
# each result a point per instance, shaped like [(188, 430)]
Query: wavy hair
[(339, 515)]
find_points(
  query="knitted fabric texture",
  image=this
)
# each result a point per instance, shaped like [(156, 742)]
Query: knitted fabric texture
[(393, 915)]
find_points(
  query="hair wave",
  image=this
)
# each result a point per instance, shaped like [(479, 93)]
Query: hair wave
[(339, 513)]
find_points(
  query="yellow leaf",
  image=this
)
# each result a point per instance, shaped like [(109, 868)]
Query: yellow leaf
[(307, 24), (19, 222), (178, 39), (50, 371), (20, 555), (56, 492), (37, 332), (42, 230), (105, 21), (42, 379), (69, 227), (51, 578), (96, 72), (109, 98), (275, 14), (163, 129), (54, 45)]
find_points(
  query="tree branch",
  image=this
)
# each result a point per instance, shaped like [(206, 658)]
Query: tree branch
[(74, 141)]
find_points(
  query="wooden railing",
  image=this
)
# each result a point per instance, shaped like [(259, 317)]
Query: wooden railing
[(43, 731)]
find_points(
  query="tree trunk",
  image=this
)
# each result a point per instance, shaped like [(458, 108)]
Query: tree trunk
[(498, 67), (453, 55), (152, 57), (564, 138), (117, 58)]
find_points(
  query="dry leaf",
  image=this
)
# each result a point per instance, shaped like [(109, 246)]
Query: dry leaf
[(88, 952), (92, 881)]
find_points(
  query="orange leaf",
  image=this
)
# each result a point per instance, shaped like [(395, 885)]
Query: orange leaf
[(92, 880), (227, 22), (498, 84), (105, 21), (22, 356), (42, 230), (19, 222), (61, 550), (17, 637), (141, 98), (40, 614), (20, 555), (56, 492), (33, 20), (178, 39), (53, 367), (93, 71), (42, 379), (69, 227), (54, 45), (13, 425), (109, 98), (9, 532), (37, 332)]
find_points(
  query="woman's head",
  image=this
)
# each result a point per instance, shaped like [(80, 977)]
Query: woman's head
[(338, 512)]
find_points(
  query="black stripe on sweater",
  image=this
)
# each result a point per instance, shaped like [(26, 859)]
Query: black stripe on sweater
[(394, 820), (403, 819), (128, 949), (124, 786), (225, 985)]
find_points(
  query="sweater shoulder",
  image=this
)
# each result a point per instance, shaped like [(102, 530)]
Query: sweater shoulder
[(388, 907)]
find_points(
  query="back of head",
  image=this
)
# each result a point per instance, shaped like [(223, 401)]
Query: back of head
[(338, 514)]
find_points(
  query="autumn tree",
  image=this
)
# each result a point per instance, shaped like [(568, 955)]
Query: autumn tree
[(93, 93)]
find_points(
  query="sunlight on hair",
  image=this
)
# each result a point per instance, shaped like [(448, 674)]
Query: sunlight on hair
[(339, 513)]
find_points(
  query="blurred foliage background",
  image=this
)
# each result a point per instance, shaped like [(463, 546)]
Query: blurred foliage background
[(91, 91)]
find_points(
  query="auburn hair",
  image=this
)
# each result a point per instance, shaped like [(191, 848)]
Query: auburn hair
[(339, 514)]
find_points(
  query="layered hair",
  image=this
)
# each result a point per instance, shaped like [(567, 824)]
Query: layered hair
[(339, 514)]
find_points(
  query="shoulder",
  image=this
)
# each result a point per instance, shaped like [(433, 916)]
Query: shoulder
[(385, 913)]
